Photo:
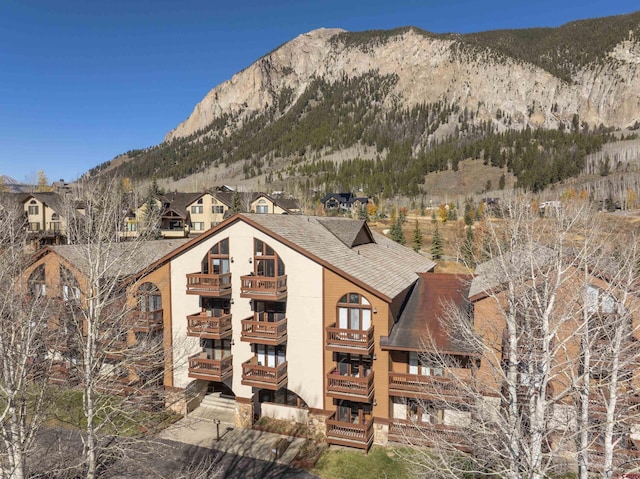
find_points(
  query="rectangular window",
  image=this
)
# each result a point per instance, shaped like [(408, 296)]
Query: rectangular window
[(33, 210), (197, 226), (217, 209), (416, 366), (196, 210), (263, 209)]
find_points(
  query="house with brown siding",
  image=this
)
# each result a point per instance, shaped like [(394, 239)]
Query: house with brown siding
[(60, 274)]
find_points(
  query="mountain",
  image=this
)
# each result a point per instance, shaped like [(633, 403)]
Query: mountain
[(369, 97)]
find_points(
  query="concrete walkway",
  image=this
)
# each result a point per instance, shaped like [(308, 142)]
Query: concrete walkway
[(199, 429)]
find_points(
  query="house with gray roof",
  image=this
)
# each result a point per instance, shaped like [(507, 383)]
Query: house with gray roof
[(283, 316)]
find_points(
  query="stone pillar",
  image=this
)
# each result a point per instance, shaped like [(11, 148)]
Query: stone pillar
[(244, 413), (317, 422), (175, 400), (380, 433)]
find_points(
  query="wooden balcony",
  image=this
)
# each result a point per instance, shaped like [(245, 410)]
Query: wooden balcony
[(353, 341), (148, 321), (430, 435), (210, 369), (256, 329), (350, 387), (264, 288), (435, 388), (115, 349), (349, 434), (205, 324), (623, 459), (63, 373), (114, 385), (173, 233), (210, 285), (265, 377)]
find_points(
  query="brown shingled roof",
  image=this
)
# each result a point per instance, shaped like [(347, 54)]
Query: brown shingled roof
[(421, 323)]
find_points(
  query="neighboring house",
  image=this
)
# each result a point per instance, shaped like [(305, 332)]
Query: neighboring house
[(263, 203), (344, 203), (285, 313), (190, 214), (44, 215), (59, 274), (578, 295)]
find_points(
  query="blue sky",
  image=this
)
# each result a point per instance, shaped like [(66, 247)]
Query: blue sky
[(82, 81)]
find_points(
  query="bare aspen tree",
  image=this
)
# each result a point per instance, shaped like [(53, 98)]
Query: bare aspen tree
[(102, 317), (526, 413), (23, 334), (611, 311)]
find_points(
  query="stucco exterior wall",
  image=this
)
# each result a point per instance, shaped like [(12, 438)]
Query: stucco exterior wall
[(304, 311)]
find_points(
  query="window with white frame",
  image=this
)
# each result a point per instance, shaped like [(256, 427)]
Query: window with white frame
[(354, 312)]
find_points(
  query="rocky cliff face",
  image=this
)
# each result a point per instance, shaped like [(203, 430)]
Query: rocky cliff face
[(431, 69)]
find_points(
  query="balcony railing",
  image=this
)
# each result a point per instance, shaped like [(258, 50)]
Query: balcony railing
[(430, 435), (264, 287), (358, 388), (147, 321), (261, 331), (63, 373), (266, 377), (200, 367), (623, 459), (355, 341), (115, 348), (114, 385), (349, 433), (429, 387), (214, 285), (205, 324)]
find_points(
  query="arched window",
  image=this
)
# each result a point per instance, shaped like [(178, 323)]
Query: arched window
[(33, 207), (267, 262), (217, 259), (70, 287), (262, 206), (354, 312), (37, 284), (149, 298)]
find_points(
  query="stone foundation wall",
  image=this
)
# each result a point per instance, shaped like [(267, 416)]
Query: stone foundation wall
[(244, 415)]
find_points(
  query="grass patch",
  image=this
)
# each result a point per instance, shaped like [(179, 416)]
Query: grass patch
[(112, 415), (378, 464)]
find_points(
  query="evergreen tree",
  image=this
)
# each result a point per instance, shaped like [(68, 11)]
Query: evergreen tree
[(467, 248), (502, 182), (154, 189), (437, 245), (236, 203), (363, 214), (416, 243), (396, 233), (469, 214)]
